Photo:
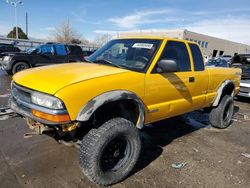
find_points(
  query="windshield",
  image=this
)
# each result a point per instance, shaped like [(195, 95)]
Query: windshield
[(30, 50), (132, 54), (242, 62)]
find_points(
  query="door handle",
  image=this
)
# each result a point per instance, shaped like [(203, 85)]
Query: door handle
[(191, 79)]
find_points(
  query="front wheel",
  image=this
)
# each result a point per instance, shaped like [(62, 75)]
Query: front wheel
[(19, 66), (109, 153), (221, 116)]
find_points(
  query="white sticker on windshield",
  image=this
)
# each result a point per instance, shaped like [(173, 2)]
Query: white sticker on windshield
[(143, 45)]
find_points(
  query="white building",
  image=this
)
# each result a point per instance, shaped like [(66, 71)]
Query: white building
[(212, 46)]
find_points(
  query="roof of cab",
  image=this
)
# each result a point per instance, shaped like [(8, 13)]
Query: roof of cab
[(156, 38)]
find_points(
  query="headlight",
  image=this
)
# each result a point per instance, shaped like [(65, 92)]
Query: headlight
[(7, 58), (46, 101)]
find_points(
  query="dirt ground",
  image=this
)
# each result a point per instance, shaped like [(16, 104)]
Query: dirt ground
[(213, 157)]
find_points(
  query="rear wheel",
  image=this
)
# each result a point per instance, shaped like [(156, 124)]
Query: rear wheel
[(109, 153), (19, 66), (221, 116)]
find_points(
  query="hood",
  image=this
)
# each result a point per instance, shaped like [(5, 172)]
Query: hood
[(50, 79), (14, 53)]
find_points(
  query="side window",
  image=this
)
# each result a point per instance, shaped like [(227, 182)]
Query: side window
[(177, 51), (197, 57), (60, 49), (202, 44), (75, 50), (47, 49), (10, 48)]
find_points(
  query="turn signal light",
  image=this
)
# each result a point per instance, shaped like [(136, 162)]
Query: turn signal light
[(55, 118)]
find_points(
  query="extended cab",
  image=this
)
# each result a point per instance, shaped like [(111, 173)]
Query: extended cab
[(46, 54), (127, 84)]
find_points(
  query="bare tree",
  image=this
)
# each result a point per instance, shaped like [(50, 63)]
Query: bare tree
[(65, 33), (102, 39), (85, 41)]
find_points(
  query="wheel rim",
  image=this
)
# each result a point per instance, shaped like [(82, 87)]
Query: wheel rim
[(115, 154), (20, 68), (227, 113)]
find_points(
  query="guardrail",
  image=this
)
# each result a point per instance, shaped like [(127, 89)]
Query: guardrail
[(24, 44)]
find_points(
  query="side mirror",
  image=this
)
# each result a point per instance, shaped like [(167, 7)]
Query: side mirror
[(168, 65)]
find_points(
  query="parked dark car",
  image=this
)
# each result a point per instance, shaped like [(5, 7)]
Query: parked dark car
[(46, 54), (243, 61), (7, 48)]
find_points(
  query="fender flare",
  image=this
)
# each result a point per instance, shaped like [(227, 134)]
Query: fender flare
[(220, 91), (90, 107)]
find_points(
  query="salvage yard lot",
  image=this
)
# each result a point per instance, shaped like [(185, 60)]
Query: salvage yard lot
[(213, 157)]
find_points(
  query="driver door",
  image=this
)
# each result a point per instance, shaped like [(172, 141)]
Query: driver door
[(169, 94)]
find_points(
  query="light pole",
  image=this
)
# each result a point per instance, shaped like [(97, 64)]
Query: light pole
[(15, 3)]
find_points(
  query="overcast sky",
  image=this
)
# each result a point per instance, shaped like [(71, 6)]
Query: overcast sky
[(228, 19)]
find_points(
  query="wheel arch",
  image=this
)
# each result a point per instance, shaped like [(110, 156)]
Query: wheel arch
[(226, 88), (95, 103), (20, 61)]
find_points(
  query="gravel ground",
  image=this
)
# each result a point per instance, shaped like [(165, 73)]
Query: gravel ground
[(212, 157)]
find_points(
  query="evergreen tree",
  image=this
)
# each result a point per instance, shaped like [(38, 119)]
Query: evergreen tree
[(21, 34)]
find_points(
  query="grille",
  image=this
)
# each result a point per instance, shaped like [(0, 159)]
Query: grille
[(20, 93)]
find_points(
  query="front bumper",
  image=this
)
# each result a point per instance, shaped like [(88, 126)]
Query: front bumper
[(20, 102), (26, 111), (244, 90), (6, 65)]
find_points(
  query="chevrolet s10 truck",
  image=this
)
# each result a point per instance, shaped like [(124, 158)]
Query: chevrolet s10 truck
[(125, 85)]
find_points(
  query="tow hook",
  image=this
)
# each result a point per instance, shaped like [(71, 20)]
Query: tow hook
[(37, 127)]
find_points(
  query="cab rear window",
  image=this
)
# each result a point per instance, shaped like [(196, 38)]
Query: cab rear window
[(197, 57)]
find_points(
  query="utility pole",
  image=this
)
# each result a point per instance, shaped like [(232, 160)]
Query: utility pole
[(15, 3), (27, 25)]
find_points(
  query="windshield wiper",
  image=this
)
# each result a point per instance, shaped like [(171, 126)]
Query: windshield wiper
[(104, 61)]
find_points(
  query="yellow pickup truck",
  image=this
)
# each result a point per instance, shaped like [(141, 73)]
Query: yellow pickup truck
[(125, 85)]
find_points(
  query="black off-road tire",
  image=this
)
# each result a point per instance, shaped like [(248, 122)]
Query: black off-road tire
[(221, 116), (19, 66), (97, 147)]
